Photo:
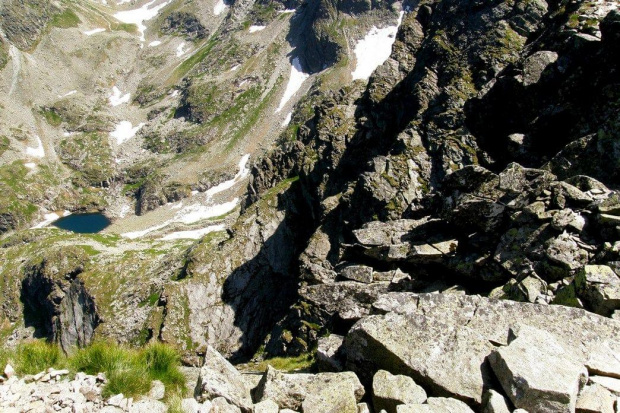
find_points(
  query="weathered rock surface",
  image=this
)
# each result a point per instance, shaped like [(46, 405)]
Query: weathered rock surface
[(219, 378), (595, 398), (389, 391), (599, 287), (328, 355), (342, 390), (443, 341), (537, 373)]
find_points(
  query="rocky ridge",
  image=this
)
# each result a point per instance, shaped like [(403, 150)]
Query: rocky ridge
[(427, 232)]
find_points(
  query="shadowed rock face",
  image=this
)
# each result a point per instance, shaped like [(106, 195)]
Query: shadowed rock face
[(56, 302)]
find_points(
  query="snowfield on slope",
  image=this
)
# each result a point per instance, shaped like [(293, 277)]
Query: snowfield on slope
[(139, 16), (295, 81), (198, 211), (374, 49)]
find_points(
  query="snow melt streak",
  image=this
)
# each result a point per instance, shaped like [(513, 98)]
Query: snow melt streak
[(374, 49), (197, 212), (294, 83)]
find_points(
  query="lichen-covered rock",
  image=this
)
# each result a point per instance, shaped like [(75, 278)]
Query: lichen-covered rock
[(388, 391), (218, 378), (538, 373), (599, 287), (326, 389), (328, 355), (443, 341)]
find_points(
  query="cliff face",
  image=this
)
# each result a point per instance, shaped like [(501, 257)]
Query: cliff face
[(479, 158)]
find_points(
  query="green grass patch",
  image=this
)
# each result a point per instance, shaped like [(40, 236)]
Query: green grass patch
[(301, 362), (34, 356), (51, 117), (192, 61), (129, 371), (66, 19), (5, 143), (125, 27)]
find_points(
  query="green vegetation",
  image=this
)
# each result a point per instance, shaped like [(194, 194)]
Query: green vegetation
[(51, 116), (192, 61), (35, 356), (66, 19), (301, 362), (129, 371), (5, 143)]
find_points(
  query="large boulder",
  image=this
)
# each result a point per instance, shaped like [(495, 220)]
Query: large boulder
[(219, 378), (442, 341), (388, 391), (537, 373), (290, 391)]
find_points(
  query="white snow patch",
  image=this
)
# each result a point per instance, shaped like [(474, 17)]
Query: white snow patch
[(244, 171), (154, 43), (194, 234), (174, 93), (73, 92), (195, 192), (125, 131), (374, 49), (38, 152), (196, 212), (232, 69), (139, 16), (49, 218), (189, 215), (181, 49), (254, 29), (125, 209), (30, 165), (117, 97), (287, 120), (295, 81), (219, 7), (287, 11), (94, 31)]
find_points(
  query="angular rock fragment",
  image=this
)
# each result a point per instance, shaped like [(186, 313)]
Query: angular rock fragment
[(388, 391), (538, 373), (442, 341), (291, 390), (494, 402), (595, 399), (328, 353), (599, 287), (219, 378)]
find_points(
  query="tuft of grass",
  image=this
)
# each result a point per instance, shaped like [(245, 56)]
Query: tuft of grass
[(128, 371), (100, 357), (129, 379), (35, 356), (161, 362)]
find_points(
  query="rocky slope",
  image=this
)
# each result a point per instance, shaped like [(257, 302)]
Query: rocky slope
[(435, 219)]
